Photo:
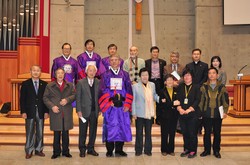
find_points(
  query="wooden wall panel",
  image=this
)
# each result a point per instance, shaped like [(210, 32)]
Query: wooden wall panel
[(28, 54), (8, 70)]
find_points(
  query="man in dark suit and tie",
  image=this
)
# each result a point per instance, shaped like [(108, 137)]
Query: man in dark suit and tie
[(200, 71), (34, 111), (155, 67), (87, 108)]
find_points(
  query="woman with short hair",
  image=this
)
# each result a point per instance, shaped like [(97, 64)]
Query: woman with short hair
[(143, 110), (216, 63), (189, 97)]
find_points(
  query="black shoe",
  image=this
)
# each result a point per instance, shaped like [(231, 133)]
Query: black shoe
[(54, 156), (109, 154), (184, 153), (172, 153), (192, 155), (39, 153), (93, 152), (121, 153), (217, 155), (148, 153), (138, 153), (68, 155), (82, 154), (204, 153), (164, 154)]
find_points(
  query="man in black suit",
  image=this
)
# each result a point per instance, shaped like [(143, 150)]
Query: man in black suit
[(34, 111), (155, 67), (88, 108), (200, 71), (199, 68)]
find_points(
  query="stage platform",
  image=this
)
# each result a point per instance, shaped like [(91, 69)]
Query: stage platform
[(235, 135)]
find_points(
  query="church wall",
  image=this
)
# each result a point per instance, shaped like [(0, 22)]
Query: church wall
[(180, 25)]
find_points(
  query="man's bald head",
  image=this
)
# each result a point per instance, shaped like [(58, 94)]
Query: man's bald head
[(133, 51)]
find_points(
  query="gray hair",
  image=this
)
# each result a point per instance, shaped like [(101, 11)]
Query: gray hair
[(89, 66), (175, 53)]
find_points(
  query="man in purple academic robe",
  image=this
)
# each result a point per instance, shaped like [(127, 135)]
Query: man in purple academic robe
[(105, 62), (67, 63), (115, 101), (88, 57)]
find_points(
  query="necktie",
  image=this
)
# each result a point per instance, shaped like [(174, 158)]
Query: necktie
[(36, 86), (174, 67)]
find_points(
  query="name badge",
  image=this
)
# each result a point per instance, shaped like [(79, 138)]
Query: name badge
[(116, 83), (186, 101), (67, 68), (91, 63)]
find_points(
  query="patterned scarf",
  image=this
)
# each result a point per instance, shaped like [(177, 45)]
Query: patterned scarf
[(133, 74)]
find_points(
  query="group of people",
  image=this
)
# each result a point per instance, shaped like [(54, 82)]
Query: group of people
[(186, 96)]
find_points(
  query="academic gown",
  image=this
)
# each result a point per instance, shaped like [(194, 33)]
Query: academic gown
[(116, 124), (105, 64), (84, 59), (69, 66)]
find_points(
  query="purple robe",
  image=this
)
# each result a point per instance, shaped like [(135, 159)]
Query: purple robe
[(69, 66), (105, 65), (83, 59), (116, 122)]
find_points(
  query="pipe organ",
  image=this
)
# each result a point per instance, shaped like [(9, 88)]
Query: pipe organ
[(24, 41), (18, 18)]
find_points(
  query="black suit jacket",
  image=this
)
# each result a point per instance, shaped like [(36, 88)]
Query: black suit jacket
[(162, 63), (200, 71), (168, 110), (29, 100)]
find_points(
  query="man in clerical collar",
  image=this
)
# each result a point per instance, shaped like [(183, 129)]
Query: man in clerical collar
[(115, 99), (105, 62), (133, 65), (155, 66), (67, 63), (89, 57), (174, 66), (199, 68)]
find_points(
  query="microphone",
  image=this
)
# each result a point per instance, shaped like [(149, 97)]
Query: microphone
[(241, 74)]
